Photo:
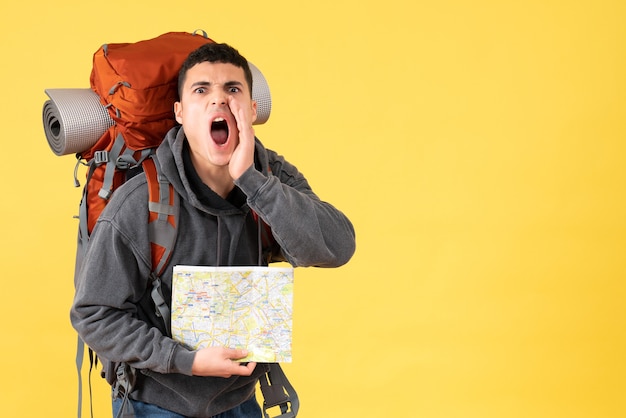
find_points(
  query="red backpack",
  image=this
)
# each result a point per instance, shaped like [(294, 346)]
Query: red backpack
[(137, 85)]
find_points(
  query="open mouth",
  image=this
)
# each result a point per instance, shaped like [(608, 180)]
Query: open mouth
[(219, 131)]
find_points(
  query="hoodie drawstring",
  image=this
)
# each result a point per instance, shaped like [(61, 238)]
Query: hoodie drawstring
[(219, 242), (259, 240)]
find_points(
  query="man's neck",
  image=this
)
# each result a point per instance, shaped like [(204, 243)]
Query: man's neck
[(217, 178)]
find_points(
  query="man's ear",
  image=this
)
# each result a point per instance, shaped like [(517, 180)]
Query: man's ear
[(178, 112), (254, 111)]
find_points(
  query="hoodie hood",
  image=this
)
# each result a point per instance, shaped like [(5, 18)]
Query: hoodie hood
[(172, 160)]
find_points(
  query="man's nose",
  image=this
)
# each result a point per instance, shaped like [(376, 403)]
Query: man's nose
[(219, 99)]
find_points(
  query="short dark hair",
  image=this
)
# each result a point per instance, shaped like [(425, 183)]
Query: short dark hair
[(214, 52)]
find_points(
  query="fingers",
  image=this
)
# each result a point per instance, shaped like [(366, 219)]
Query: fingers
[(246, 369), (235, 353), (243, 155), (239, 369), (243, 116), (237, 112), (221, 362)]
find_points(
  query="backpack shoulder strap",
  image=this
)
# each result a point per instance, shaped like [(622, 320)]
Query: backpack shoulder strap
[(163, 206), (163, 218)]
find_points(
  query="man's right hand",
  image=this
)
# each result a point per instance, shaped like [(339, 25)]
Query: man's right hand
[(219, 362)]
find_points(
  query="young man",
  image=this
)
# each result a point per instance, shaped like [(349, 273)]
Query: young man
[(222, 173)]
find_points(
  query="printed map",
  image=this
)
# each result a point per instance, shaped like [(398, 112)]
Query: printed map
[(237, 307)]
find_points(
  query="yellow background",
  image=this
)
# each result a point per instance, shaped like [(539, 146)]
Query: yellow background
[(478, 147)]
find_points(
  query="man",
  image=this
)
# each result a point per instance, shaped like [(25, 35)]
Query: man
[(222, 173)]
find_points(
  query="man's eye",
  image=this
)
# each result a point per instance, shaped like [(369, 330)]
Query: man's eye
[(233, 89), (200, 90)]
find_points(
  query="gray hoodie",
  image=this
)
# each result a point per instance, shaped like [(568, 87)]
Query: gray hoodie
[(112, 309)]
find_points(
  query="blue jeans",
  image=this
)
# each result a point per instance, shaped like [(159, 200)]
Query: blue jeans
[(248, 409)]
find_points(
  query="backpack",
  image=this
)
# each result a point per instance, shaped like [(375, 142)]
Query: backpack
[(137, 85)]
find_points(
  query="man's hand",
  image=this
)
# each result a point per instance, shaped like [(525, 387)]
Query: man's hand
[(243, 155), (218, 362)]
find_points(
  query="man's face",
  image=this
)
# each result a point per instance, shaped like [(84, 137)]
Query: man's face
[(204, 111)]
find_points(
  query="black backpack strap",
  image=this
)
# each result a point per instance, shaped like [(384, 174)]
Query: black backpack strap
[(278, 391)]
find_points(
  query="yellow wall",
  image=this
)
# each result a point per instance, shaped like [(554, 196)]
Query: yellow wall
[(478, 146)]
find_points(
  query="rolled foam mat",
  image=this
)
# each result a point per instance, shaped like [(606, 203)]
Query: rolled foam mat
[(73, 120)]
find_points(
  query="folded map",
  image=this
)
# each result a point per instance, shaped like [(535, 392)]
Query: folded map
[(236, 307)]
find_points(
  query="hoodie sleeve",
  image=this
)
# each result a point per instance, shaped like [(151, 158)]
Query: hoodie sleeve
[(310, 232), (108, 309)]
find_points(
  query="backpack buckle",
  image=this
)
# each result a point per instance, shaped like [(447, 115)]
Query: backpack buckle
[(283, 407), (278, 392), (101, 157), (123, 163)]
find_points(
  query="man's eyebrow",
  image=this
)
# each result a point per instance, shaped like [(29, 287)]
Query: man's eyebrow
[(233, 83), (200, 84)]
